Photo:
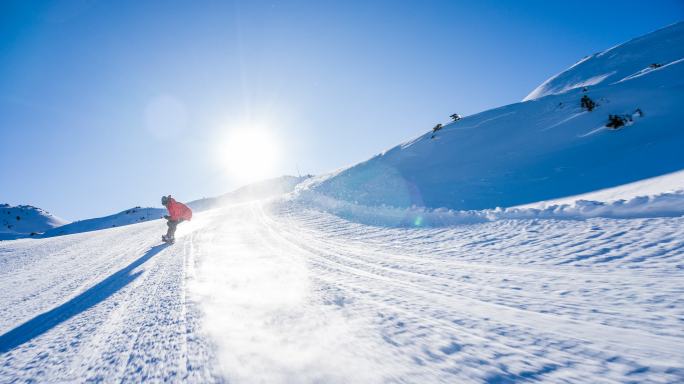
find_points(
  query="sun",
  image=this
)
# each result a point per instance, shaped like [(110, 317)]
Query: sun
[(249, 154)]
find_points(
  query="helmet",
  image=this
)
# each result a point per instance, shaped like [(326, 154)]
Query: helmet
[(164, 200)]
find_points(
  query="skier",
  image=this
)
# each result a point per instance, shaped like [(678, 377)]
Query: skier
[(178, 212)]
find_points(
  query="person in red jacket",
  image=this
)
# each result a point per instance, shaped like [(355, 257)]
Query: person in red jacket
[(178, 212)]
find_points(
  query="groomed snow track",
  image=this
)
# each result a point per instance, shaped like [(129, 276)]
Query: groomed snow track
[(278, 292)]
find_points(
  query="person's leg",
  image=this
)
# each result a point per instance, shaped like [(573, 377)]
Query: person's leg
[(172, 228)]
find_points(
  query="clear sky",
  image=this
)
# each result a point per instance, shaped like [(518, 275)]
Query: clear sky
[(106, 105)]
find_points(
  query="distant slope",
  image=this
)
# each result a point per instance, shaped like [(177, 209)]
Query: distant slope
[(542, 149), (127, 217), (255, 191), (25, 220)]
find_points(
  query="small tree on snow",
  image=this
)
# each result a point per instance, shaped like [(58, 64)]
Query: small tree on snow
[(455, 117), (435, 129), (617, 121), (587, 103)]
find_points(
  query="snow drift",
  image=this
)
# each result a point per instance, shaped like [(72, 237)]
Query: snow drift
[(545, 148), (660, 205)]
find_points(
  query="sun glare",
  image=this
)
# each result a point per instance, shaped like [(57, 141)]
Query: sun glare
[(249, 154)]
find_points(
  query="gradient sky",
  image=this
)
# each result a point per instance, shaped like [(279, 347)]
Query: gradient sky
[(105, 105)]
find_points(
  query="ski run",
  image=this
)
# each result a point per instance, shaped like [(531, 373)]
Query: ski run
[(275, 291)]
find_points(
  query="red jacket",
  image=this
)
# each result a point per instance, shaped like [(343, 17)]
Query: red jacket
[(178, 211)]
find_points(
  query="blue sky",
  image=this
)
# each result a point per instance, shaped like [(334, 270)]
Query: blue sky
[(106, 105)]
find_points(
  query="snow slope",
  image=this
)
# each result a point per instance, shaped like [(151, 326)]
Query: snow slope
[(280, 292), (127, 217), (255, 191), (542, 149), (25, 220), (633, 58), (100, 306)]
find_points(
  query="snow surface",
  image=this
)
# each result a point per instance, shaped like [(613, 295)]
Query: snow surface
[(543, 149), (275, 292), (100, 306)]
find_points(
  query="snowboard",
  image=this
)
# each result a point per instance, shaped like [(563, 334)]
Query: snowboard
[(168, 240)]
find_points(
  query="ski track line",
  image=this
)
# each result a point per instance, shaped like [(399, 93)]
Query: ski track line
[(326, 264), (439, 300), (89, 345), (81, 328), (646, 339), (354, 257), (477, 291), (442, 325), (168, 316), (128, 375), (386, 242), (71, 282), (383, 255), (638, 337), (117, 321), (444, 329), (356, 252)]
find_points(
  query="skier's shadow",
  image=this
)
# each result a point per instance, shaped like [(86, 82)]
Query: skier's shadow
[(93, 296)]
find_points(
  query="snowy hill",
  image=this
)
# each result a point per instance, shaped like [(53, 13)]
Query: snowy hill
[(255, 191), (545, 148), (635, 58), (25, 220), (127, 217)]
